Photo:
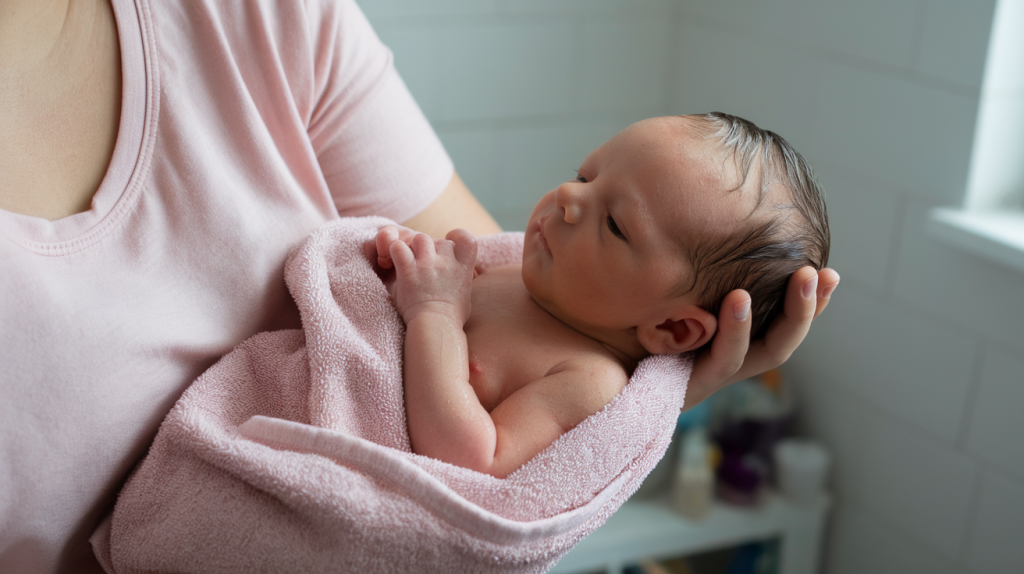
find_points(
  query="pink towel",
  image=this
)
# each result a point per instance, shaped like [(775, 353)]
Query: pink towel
[(291, 454)]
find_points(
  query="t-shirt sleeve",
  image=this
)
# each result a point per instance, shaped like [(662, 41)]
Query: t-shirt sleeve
[(378, 153)]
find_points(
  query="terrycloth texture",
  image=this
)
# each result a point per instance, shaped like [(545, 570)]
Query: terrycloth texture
[(291, 454)]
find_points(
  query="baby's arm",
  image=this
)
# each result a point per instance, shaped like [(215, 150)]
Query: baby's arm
[(446, 419), (432, 294), (533, 417)]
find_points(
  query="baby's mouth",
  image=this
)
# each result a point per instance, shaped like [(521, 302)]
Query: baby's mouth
[(540, 234)]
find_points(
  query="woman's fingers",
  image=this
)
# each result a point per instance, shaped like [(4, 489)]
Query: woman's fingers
[(717, 366), (789, 329), (828, 280), (732, 357)]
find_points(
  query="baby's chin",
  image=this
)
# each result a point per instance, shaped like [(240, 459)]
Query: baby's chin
[(530, 282), (525, 275)]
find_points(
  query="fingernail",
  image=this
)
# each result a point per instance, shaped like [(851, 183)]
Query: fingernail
[(829, 290), (741, 310), (810, 287)]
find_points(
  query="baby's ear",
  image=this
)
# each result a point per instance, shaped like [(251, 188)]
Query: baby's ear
[(687, 329)]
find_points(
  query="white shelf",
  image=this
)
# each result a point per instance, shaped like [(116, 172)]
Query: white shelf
[(650, 529), (996, 236)]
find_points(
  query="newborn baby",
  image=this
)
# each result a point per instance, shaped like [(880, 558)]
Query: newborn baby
[(631, 258)]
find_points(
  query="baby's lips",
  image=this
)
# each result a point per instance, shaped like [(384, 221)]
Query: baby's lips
[(540, 233)]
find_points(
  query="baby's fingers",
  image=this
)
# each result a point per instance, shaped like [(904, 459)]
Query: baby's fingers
[(465, 246), (423, 246), (403, 257), (385, 237), (420, 248)]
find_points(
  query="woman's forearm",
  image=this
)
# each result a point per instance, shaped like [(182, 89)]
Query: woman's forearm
[(456, 207)]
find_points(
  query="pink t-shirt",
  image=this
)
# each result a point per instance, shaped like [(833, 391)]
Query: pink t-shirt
[(244, 126)]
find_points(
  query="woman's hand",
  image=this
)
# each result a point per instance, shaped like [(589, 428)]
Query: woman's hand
[(733, 357)]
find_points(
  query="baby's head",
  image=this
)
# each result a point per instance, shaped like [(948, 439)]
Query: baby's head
[(786, 230), (664, 220)]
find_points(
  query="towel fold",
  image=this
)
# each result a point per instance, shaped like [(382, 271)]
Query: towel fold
[(291, 454)]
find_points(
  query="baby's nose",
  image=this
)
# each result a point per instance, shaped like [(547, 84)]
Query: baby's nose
[(568, 199)]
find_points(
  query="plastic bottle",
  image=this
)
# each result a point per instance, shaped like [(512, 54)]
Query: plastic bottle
[(693, 482)]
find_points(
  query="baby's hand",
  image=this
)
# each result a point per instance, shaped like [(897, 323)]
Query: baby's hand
[(385, 237), (433, 276)]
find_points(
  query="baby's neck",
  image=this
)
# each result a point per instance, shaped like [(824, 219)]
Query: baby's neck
[(622, 344)]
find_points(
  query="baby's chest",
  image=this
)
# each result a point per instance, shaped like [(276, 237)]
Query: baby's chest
[(513, 343), (500, 363)]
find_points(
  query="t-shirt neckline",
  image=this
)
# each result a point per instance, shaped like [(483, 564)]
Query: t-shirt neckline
[(119, 188)]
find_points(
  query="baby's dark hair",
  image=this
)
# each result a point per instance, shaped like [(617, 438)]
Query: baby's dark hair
[(762, 258)]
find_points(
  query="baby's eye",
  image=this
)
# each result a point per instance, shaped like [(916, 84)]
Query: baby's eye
[(580, 178), (614, 228)]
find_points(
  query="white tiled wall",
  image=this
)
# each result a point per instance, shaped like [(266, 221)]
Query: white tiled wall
[(520, 91), (889, 126), (862, 544), (995, 426), (914, 375), (976, 297), (916, 484), (720, 68), (957, 61), (995, 545), (864, 221)]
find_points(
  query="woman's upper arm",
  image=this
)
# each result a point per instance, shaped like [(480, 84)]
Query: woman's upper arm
[(377, 153)]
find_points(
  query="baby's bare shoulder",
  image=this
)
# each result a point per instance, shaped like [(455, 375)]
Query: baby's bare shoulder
[(587, 364), (577, 386), (589, 379)]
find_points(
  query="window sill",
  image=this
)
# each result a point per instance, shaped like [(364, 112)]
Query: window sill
[(996, 236)]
